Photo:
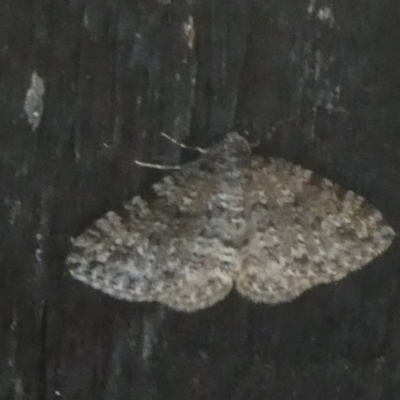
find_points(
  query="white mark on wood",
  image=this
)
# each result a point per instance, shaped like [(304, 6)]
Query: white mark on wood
[(190, 33), (33, 105)]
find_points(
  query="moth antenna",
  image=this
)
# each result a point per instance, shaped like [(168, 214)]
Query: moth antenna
[(158, 166), (184, 146)]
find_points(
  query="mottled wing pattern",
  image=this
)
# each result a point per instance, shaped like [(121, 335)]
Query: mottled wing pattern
[(306, 231), (181, 248), (198, 290), (273, 228)]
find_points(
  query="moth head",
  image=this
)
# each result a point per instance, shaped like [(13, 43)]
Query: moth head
[(233, 151), (236, 145)]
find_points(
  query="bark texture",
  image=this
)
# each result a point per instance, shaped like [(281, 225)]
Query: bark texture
[(86, 88)]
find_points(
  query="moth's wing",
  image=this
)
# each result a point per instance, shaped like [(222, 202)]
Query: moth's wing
[(197, 291), (307, 231), (110, 258), (165, 243)]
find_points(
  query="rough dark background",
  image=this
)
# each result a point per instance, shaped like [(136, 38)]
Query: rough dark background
[(315, 81)]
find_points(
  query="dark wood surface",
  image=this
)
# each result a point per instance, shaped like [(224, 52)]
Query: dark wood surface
[(317, 84)]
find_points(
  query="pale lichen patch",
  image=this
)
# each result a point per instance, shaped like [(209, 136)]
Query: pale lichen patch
[(33, 105)]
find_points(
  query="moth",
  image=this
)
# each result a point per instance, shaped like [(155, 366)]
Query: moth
[(268, 228)]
